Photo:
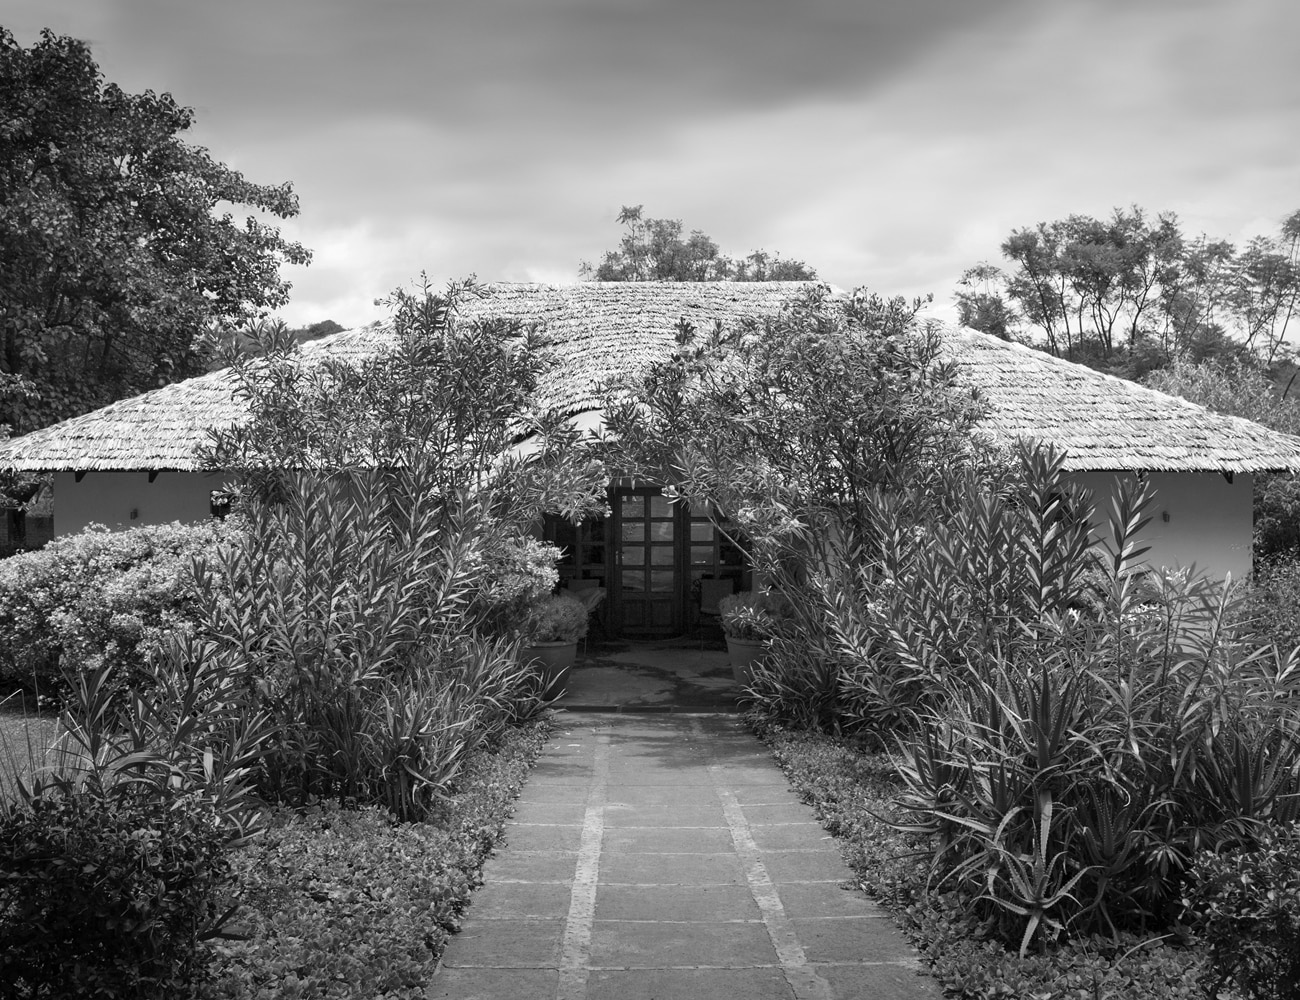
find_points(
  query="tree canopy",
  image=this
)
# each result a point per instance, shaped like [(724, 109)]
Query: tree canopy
[(655, 250), (1134, 290), (114, 261)]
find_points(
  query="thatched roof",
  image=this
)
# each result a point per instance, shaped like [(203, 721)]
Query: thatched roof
[(602, 330), (1104, 422)]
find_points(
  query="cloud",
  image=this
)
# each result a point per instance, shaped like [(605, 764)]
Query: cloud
[(892, 143)]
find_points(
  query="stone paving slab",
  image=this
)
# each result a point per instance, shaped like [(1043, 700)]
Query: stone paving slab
[(665, 857)]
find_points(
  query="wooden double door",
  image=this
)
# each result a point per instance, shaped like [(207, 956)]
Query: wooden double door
[(651, 555)]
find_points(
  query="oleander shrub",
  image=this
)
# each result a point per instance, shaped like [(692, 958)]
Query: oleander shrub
[(1073, 767), (1245, 906), (356, 626), (386, 508), (752, 615), (854, 789), (98, 597), (896, 609)]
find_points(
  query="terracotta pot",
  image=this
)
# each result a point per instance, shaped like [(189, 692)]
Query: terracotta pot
[(553, 659), (744, 653)]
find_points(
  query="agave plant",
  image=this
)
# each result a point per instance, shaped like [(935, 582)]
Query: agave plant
[(1032, 884)]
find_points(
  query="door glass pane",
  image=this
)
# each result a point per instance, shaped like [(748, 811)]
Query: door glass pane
[(633, 531), (701, 531), (661, 555), (661, 531), (659, 507), (633, 506), (633, 556), (729, 555), (661, 581), (701, 555), (634, 579)]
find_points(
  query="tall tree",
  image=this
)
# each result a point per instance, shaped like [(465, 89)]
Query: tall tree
[(1130, 292), (981, 306), (655, 250), (1267, 288), (1093, 286), (113, 259)]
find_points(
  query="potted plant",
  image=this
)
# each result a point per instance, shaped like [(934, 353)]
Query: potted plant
[(552, 631), (749, 620)]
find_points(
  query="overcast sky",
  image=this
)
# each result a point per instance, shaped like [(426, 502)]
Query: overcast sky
[(888, 144)]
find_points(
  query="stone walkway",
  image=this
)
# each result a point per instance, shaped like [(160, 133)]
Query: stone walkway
[(666, 857)]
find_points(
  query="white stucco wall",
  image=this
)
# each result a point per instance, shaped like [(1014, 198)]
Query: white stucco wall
[(111, 497), (1197, 518)]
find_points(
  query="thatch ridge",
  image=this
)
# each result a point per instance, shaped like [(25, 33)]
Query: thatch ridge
[(599, 331)]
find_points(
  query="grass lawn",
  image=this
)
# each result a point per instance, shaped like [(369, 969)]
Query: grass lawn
[(24, 736), (851, 790)]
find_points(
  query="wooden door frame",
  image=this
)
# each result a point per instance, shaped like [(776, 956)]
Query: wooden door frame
[(614, 558)]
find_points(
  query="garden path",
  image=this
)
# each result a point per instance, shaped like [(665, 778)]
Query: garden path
[(651, 677), (665, 856)]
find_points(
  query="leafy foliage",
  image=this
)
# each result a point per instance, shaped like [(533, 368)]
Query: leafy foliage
[(107, 895), (113, 262), (654, 250), (1271, 606), (454, 400), (386, 504), (794, 425), (750, 615), (1068, 772), (853, 791), (1136, 292), (113, 863), (98, 597), (556, 619), (801, 429), (347, 903), (517, 575), (1246, 907)]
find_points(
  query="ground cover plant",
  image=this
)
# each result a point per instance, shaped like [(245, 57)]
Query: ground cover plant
[(347, 903)]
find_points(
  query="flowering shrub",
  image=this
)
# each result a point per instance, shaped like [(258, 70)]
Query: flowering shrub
[(516, 574), (557, 619), (98, 597)]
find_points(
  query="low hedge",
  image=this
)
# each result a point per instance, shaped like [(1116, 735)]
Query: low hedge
[(851, 788), (96, 596), (347, 903), (107, 894), (1248, 908)]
